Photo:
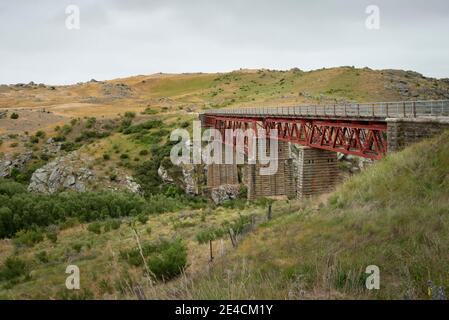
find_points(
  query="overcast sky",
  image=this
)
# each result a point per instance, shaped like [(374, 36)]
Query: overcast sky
[(119, 38)]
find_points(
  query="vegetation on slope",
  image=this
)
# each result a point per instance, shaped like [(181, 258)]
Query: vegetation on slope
[(387, 217), (394, 215)]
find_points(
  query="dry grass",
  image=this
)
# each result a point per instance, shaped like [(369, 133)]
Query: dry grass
[(99, 260), (394, 215)]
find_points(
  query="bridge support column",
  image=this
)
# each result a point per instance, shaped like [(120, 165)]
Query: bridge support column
[(280, 183), (220, 174), (318, 172), (404, 132)]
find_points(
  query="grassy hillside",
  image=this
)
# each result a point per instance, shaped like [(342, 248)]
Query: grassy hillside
[(32, 265), (196, 91), (394, 215), (177, 98)]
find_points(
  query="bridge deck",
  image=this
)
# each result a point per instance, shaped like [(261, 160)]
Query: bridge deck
[(360, 111)]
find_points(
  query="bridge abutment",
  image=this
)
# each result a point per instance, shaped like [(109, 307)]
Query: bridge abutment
[(402, 132)]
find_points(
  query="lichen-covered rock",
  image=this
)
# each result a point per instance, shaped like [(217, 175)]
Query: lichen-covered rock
[(185, 175), (225, 193), (10, 162), (163, 174), (190, 185), (72, 172)]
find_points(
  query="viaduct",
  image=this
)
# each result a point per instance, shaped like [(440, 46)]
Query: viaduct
[(368, 130)]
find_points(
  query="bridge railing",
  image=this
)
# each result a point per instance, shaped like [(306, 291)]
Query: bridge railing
[(401, 109)]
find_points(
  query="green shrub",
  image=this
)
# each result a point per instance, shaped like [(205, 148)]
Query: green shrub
[(13, 268), (106, 157), (10, 188), (52, 235), (94, 227), (28, 237), (239, 225), (68, 223), (22, 210), (40, 134), (150, 124), (142, 218), (66, 129), (70, 146), (130, 114), (34, 139), (149, 111), (144, 152), (59, 138), (112, 224), (90, 122), (206, 235), (14, 116), (165, 259), (169, 261), (42, 256), (83, 294), (77, 247), (124, 156)]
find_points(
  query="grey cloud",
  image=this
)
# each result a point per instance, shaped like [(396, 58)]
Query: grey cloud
[(121, 38)]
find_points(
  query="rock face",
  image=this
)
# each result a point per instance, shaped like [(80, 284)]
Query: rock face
[(71, 172), (188, 180), (9, 163), (353, 164), (61, 174), (225, 193), (116, 90), (163, 174), (190, 185)]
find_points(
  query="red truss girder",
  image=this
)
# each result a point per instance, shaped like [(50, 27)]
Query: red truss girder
[(364, 139)]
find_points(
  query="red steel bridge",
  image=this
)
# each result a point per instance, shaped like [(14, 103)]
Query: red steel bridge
[(357, 129)]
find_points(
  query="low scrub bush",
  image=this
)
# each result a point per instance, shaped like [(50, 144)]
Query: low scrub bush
[(21, 210), (13, 268), (28, 237), (94, 227), (165, 259)]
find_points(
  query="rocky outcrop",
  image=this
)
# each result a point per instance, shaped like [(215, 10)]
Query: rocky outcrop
[(116, 90), (61, 174), (187, 177), (353, 164), (9, 163), (190, 184), (72, 172), (225, 193), (164, 175)]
